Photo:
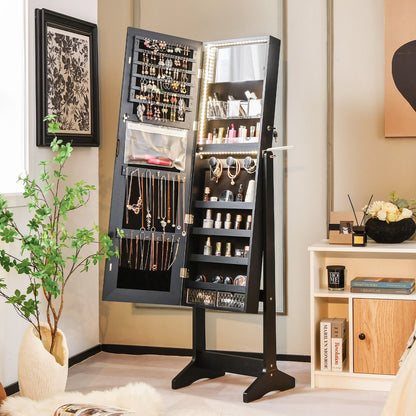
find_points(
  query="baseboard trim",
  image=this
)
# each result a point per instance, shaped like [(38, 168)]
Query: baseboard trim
[(141, 350), (12, 388), (77, 358)]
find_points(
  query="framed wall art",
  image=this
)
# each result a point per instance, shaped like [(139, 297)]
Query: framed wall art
[(400, 67), (66, 78)]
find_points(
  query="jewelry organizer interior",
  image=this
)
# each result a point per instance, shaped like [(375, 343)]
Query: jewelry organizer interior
[(225, 260)]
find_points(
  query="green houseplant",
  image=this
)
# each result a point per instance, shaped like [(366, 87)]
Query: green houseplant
[(50, 254)]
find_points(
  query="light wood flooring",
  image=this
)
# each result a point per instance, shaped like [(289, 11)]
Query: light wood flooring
[(222, 396)]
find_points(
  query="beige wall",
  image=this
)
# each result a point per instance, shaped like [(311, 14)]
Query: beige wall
[(306, 126), (365, 161)]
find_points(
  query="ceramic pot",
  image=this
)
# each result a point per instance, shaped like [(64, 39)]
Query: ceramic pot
[(393, 232), (40, 373)]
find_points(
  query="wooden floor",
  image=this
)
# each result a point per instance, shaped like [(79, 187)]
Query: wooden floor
[(221, 396)]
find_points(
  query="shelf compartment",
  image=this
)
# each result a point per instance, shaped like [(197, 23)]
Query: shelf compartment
[(224, 205), (221, 232), (215, 286), (240, 148), (219, 259)]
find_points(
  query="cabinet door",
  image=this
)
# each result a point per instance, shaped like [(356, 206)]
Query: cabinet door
[(381, 331)]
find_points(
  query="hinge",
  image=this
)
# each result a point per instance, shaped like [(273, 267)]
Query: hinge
[(189, 219), (195, 126), (183, 272), (125, 117), (129, 60), (110, 267), (199, 73), (117, 147)]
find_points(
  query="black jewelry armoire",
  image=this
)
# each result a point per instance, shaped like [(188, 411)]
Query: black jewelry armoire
[(188, 201)]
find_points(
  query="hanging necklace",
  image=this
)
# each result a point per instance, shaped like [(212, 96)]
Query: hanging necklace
[(153, 201), (176, 253), (158, 195), (137, 251), (148, 199), (142, 237), (141, 187), (128, 198), (130, 249), (138, 205), (177, 211), (215, 169), (233, 162), (163, 250), (157, 252), (167, 255), (183, 207), (168, 199), (173, 203), (163, 202)]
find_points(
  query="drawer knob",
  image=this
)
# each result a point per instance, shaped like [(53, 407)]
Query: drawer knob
[(361, 336)]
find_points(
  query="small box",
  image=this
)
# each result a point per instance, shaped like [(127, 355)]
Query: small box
[(340, 227)]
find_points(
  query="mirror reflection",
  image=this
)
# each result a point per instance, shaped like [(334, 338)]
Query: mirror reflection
[(240, 63)]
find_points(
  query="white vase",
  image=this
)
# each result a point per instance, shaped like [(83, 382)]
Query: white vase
[(40, 373)]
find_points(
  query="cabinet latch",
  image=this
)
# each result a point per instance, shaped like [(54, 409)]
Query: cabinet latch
[(183, 272)]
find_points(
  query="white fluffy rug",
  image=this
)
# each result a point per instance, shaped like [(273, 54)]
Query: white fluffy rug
[(139, 397)]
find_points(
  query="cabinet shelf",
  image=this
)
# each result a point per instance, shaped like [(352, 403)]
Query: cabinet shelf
[(242, 148), (221, 232), (201, 258), (224, 205), (323, 293)]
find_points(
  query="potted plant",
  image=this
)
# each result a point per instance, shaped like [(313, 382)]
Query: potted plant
[(391, 221), (50, 255)]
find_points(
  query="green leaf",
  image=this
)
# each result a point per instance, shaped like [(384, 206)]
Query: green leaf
[(393, 196)]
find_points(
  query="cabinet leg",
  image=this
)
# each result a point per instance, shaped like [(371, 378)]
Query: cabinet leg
[(192, 373), (274, 380)]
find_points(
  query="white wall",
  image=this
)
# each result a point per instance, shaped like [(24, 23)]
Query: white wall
[(80, 317)]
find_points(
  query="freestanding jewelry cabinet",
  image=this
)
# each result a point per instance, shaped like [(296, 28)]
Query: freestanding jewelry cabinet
[(188, 211)]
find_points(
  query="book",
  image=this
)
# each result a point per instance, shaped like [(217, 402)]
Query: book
[(381, 290), (72, 409), (338, 343), (325, 344), (386, 282)]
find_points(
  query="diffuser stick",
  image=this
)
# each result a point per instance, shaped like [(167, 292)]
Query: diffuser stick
[(353, 210), (366, 211)]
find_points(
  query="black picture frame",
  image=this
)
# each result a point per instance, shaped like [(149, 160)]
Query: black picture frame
[(66, 78)]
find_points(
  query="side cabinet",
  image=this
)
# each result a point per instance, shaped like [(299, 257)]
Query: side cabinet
[(194, 122), (378, 325)]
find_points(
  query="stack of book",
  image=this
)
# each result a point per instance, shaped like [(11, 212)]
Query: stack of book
[(333, 343), (394, 285)]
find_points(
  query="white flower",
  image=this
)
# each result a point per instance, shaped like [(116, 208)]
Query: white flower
[(381, 215), (406, 213)]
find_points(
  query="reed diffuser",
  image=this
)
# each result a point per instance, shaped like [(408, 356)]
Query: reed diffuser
[(359, 236)]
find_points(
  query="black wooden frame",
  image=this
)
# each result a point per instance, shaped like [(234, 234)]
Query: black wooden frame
[(46, 18)]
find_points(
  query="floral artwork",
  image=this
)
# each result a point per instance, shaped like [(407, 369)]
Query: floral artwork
[(68, 80)]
